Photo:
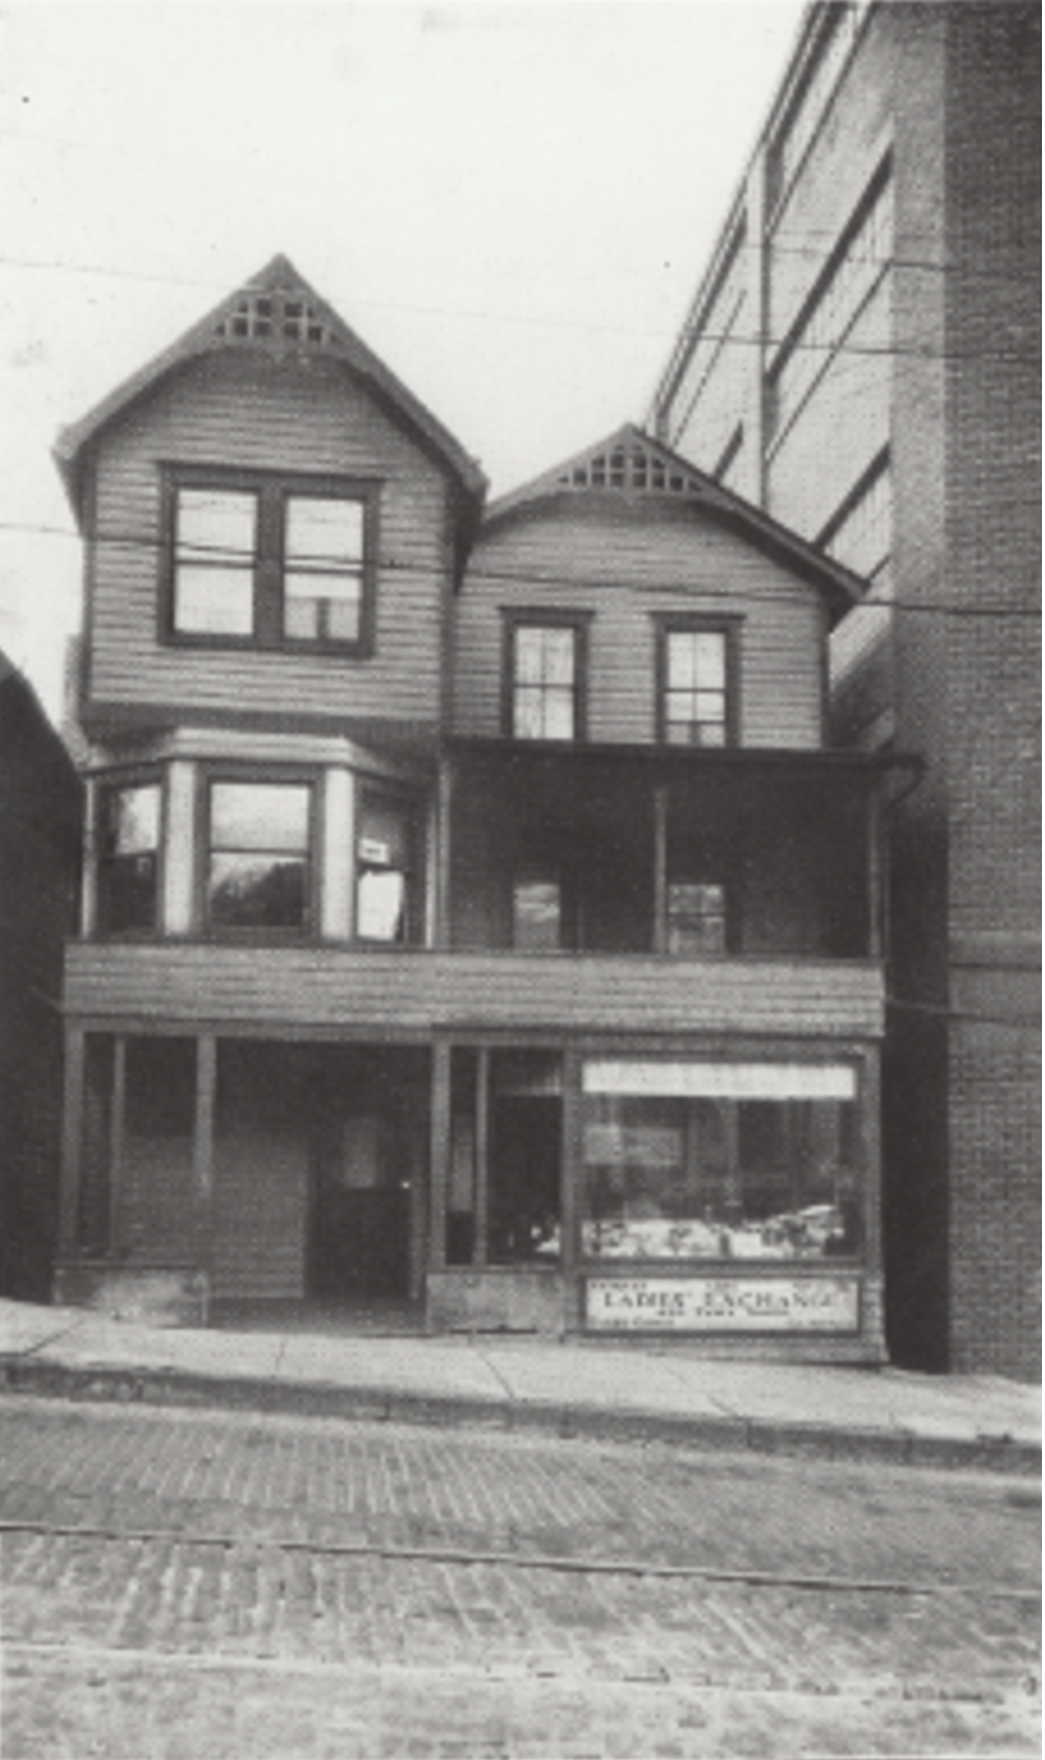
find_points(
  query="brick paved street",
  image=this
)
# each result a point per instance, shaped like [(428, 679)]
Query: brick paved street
[(207, 1585)]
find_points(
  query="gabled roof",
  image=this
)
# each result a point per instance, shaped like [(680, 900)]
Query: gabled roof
[(633, 465), (277, 311)]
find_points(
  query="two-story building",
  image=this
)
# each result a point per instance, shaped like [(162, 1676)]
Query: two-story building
[(474, 917)]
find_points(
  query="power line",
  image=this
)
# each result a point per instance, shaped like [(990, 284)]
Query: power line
[(533, 578), (759, 340)]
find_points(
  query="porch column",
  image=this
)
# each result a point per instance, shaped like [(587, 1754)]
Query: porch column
[(481, 1195), (203, 1143), (72, 1140), (876, 888), (660, 868), (439, 1154), (441, 901), (338, 863), (117, 1111), (572, 1162), (89, 879), (178, 850)]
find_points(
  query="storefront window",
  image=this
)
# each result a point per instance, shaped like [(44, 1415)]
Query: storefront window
[(720, 1161)]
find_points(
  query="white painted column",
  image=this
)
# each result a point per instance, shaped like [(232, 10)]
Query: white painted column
[(337, 889), (91, 857), (179, 837)]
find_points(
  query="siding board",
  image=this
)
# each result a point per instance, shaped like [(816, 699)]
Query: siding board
[(331, 990), (626, 564), (247, 411)]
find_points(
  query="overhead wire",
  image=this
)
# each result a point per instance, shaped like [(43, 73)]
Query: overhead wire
[(540, 578)]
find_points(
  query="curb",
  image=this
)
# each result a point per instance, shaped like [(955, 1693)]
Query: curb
[(726, 1434)]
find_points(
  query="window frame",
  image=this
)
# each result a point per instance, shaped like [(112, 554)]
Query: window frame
[(106, 785), (668, 624), (519, 618), (272, 491), (377, 792), (260, 776)]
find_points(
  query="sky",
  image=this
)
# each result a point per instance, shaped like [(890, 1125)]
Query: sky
[(511, 201)]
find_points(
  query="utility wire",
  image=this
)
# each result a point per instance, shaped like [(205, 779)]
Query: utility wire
[(533, 578), (761, 340)]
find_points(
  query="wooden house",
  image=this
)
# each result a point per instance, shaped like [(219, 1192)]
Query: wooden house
[(474, 920)]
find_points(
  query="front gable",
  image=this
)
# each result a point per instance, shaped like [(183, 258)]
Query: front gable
[(642, 554), (272, 523)]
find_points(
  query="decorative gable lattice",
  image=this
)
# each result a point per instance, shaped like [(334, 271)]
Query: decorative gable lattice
[(628, 462), (278, 315)]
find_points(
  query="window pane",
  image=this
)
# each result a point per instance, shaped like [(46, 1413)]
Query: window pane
[(128, 865), (381, 905), (324, 530), (558, 656), (528, 721), (537, 915), (558, 714), (682, 660), (133, 819), (696, 917), (529, 656), (710, 660), (211, 600), (322, 604), (259, 816), (215, 522), (262, 891)]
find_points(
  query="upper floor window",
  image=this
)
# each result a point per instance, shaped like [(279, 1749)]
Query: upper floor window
[(258, 855), (697, 706), (270, 561), (129, 845), (696, 917), (537, 913), (545, 679)]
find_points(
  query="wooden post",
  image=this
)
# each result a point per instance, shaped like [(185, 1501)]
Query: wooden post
[(89, 878), (442, 852), (117, 1127), (660, 868), (571, 1169), (439, 1154), (203, 1146), (875, 875), (481, 1196), (72, 1142)]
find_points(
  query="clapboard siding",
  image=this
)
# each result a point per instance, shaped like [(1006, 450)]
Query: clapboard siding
[(388, 992), (259, 1218), (250, 412), (625, 565)]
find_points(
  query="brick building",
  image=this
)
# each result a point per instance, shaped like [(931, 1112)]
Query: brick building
[(474, 922), (860, 359)]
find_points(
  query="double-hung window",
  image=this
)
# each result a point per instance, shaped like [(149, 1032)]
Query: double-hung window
[(270, 561), (697, 687), (258, 873), (544, 695)]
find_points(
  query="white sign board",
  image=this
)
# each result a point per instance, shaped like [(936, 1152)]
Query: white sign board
[(723, 1304)]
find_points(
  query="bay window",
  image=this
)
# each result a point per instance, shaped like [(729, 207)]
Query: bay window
[(258, 869)]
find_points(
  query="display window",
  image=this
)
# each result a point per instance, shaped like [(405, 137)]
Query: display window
[(720, 1162)]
